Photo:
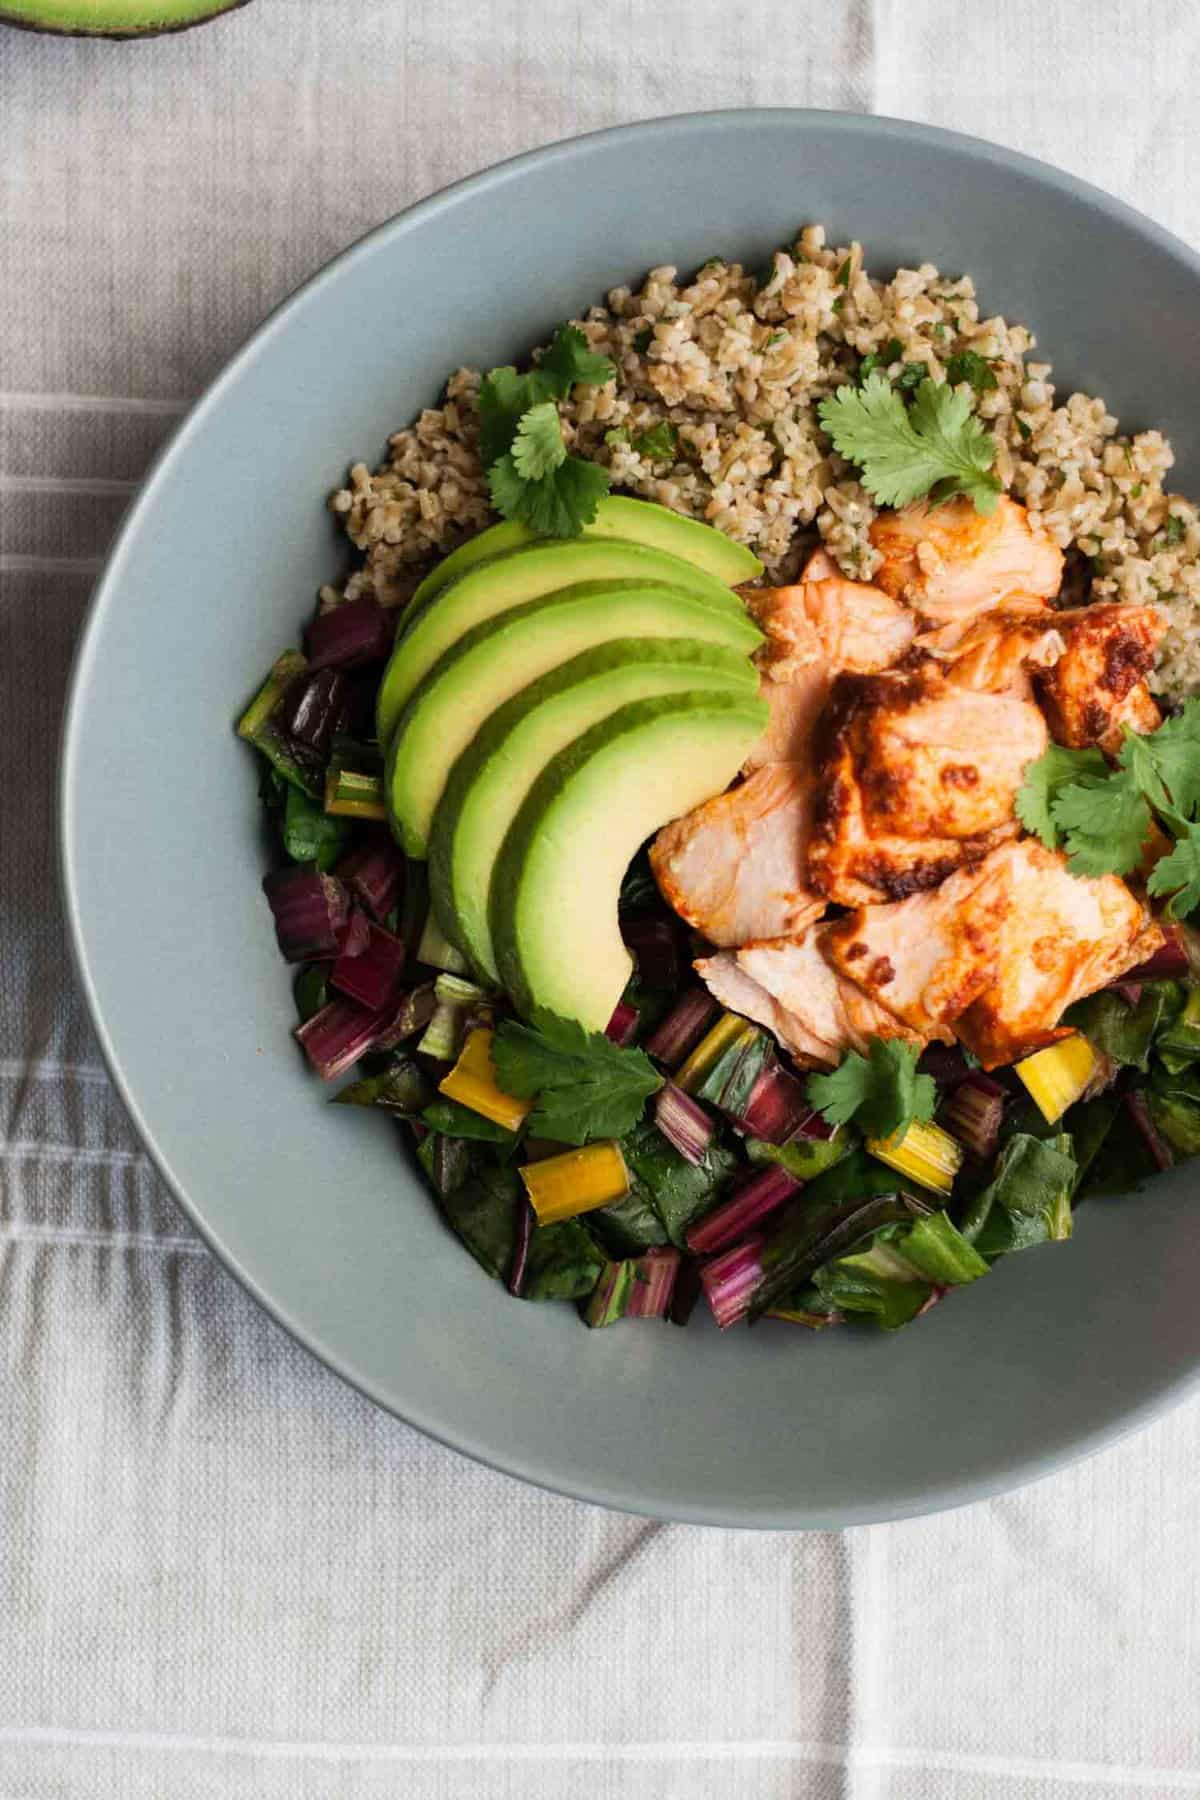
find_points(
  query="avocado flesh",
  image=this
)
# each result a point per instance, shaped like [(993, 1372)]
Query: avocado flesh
[(503, 582), (558, 877), (503, 655), (112, 18), (492, 777), (638, 521)]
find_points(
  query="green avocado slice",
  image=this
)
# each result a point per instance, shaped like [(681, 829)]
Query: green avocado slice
[(638, 521), (112, 18), (498, 658), (556, 883), (503, 582), (496, 771)]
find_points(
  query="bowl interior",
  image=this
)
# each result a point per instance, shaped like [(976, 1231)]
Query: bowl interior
[(163, 852)]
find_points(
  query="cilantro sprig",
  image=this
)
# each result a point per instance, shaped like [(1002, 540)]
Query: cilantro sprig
[(530, 474), (1104, 816), (585, 1086), (936, 446), (881, 1091)]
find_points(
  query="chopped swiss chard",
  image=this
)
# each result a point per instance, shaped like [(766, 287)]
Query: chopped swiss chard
[(563, 1263), (312, 708), (524, 1225), (678, 1191), (938, 1250), (686, 1292), (349, 635), (683, 1122), (478, 1199), (806, 1157), (372, 977), (460, 1121), (412, 1013), (355, 935), (826, 1220), (402, 1088), (309, 834), (1169, 963), (1161, 1153), (335, 1038), (732, 1280), (1178, 1043), (1127, 1031), (622, 1028), (755, 1200), (311, 910), (678, 1034), (875, 1284), (777, 1109), (1174, 1105), (1029, 1200), (735, 1077), (974, 1114), (654, 1276), (373, 870), (310, 990)]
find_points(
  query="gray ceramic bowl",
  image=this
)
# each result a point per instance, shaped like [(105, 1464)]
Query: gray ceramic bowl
[(313, 1208)]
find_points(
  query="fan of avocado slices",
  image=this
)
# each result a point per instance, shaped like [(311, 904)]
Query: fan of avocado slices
[(483, 951)]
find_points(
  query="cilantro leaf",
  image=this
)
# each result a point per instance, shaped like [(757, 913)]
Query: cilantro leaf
[(882, 1090), (559, 504), (969, 366), (1178, 874), (571, 360), (911, 376), (904, 453), (1105, 821), (1175, 751), (584, 1085), (504, 398), (1045, 780), (659, 443), (538, 446)]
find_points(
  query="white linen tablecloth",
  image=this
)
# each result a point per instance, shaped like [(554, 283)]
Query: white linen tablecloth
[(221, 1572)]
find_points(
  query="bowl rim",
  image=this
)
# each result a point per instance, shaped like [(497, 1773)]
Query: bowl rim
[(941, 1496)]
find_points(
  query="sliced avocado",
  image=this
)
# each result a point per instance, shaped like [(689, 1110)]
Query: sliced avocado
[(554, 891), (638, 521), (493, 775), (498, 658), (112, 18), (503, 582)]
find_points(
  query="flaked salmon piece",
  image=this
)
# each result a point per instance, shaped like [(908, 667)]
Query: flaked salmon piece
[(839, 1014), (951, 563), (816, 628), (916, 777), (1062, 937), (928, 957), (740, 993), (737, 867), (1097, 687), (1000, 652)]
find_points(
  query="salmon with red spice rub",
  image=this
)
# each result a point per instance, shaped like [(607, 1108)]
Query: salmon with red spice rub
[(950, 563), (917, 777), (1096, 690)]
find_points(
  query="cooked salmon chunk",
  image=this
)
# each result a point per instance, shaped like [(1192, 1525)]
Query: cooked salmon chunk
[(816, 628), (916, 777), (1062, 937), (729, 983), (928, 957), (1001, 652), (737, 867), (790, 986), (950, 563), (1097, 687)]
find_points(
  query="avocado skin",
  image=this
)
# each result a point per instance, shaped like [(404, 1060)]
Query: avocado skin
[(217, 9)]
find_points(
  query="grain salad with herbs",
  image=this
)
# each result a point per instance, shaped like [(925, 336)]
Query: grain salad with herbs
[(713, 412)]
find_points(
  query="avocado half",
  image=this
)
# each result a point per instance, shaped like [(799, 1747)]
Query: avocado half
[(112, 18)]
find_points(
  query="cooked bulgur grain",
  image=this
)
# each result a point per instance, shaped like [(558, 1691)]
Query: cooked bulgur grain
[(737, 363)]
